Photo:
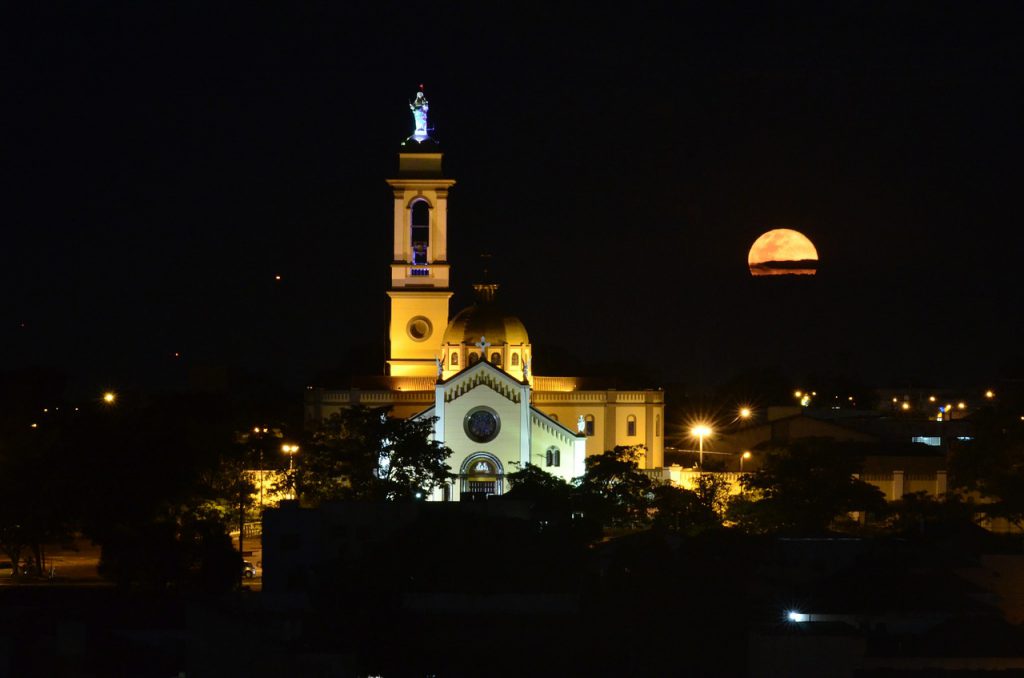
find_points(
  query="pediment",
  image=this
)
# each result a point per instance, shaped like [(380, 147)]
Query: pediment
[(482, 374)]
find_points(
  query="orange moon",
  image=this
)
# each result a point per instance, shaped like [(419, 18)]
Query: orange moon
[(783, 251)]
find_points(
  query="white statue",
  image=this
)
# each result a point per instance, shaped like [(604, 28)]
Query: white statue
[(439, 367), (526, 368), (419, 109), (581, 424)]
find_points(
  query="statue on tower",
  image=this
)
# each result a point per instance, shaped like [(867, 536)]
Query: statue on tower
[(419, 109)]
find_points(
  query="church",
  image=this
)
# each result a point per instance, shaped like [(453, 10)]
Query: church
[(472, 372)]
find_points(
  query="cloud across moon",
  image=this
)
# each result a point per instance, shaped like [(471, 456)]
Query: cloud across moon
[(782, 251)]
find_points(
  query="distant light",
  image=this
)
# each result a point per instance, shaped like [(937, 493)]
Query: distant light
[(894, 399), (277, 277), (961, 405), (46, 409), (798, 394), (256, 429), (931, 399), (805, 401), (109, 397), (35, 425), (419, 495), (990, 394), (905, 406), (746, 455), (744, 413), (701, 430), (795, 616)]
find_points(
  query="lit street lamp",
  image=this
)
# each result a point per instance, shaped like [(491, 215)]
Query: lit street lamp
[(291, 450), (700, 431), (745, 455), (109, 397)]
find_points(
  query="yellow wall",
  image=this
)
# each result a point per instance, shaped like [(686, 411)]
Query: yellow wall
[(406, 305)]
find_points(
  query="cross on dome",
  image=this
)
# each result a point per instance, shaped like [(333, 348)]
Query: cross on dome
[(483, 345)]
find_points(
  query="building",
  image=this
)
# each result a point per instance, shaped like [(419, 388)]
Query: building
[(472, 371)]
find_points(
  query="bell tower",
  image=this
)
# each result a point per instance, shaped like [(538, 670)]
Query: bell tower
[(419, 289)]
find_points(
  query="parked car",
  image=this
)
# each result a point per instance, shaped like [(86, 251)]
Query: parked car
[(248, 569)]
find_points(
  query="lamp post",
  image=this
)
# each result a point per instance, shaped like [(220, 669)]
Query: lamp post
[(290, 450), (744, 456), (699, 432)]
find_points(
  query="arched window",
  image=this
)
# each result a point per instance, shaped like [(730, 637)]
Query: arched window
[(496, 359), (553, 457), (420, 231), (631, 426), (515, 360), (455, 360), (474, 358), (588, 422)]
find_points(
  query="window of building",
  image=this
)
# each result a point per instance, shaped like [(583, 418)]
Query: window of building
[(496, 359), (474, 358), (420, 231), (515, 360), (588, 424), (631, 426), (482, 424), (455, 360), (657, 425), (553, 457)]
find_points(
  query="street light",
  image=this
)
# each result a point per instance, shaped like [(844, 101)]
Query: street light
[(745, 413), (700, 431), (745, 455), (109, 397), (291, 450)]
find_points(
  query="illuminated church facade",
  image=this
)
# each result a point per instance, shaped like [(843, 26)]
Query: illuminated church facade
[(472, 372)]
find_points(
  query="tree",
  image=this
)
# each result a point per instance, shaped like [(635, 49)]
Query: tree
[(613, 487), (691, 511), (532, 483), (804, 488), (919, 513), (993, 463), (363, 453)]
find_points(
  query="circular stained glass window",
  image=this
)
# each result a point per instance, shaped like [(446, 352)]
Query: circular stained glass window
[(482, 424)]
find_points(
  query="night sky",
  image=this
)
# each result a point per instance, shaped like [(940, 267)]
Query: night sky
[(165, 161)]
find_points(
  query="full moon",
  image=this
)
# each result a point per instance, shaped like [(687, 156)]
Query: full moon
[(783, 251)]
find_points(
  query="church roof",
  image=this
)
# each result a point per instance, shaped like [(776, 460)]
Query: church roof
[(485, 318)]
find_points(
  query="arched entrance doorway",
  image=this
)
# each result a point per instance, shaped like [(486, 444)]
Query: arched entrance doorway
[(481, 475)]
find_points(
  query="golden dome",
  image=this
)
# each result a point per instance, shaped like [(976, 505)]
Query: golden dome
[(485, 319)]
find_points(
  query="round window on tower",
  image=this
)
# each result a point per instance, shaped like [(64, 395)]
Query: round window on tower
[(482, 424), (419, 329)]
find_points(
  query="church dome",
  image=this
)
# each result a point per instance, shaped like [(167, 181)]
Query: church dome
[(485, 319)]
